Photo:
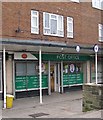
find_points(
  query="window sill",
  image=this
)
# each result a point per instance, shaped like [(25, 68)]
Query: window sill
[(54, 35), (100, 40), (70, 37)]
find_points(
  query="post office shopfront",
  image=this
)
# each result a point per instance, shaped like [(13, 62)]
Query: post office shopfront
[(59, 72)]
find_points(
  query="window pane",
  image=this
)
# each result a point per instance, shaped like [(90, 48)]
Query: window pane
[(102, 4), (20, 69), (31, 69), (34, 12), (47, 31), (47, 20), (70, 19), (53, 17), (53, 26), (60, 26), (70, 27), (70, 34), (100, 31), (97, 4), (34, 21), (34, 30)]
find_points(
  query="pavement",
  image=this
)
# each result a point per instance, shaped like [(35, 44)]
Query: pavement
[(66, 105)]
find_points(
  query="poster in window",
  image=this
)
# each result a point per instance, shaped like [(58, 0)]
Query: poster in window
[(72, 68)]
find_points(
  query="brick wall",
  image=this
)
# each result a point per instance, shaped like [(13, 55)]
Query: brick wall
[(92, 97), (86, 20)]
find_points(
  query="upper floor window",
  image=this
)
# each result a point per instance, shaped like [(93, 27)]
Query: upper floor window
[(34, 22), (100, 28), (97, 4), (53, 24), (70, 27)]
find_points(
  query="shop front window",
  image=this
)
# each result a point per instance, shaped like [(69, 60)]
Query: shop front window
[(99, 72), (92, 72), (27, 76), (72, 74), (72, 68)]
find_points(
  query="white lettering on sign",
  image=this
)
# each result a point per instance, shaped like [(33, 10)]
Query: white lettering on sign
[(67, 57)]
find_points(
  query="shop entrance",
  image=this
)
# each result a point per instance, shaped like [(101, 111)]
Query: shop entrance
[(55, 77)]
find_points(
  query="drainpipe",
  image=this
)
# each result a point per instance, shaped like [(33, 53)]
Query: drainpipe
[(96, 67), (40, 75), (4, 73)]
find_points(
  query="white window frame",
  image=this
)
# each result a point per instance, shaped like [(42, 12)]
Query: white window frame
[(100, 30), (35, 27), (70, 34), (49, 28), (97, 4)]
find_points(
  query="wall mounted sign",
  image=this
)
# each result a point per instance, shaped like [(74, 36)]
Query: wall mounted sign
[(96, 48), (64, 57), (78, 48), (24, 56)]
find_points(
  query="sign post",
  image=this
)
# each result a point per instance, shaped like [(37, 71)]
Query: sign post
[(4, 71), (96, 67), (40, 75)]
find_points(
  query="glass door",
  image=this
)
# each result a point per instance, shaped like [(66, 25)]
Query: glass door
[(58, 77), (55, 77)]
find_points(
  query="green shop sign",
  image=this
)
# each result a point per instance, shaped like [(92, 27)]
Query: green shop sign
[(63, 57)]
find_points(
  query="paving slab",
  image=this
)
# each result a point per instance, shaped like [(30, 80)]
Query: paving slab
[(66, 105)]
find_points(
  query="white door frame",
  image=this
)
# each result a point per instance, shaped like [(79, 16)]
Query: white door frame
[(58, 77), (62, 90), (55, 78), (49, 80)]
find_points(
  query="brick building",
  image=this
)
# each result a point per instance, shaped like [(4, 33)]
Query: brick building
[(59, 37)]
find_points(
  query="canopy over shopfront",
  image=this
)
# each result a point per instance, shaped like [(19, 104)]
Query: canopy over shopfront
[(15, 45)]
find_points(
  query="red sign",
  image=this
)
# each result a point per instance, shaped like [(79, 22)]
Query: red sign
[(24, 55)]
